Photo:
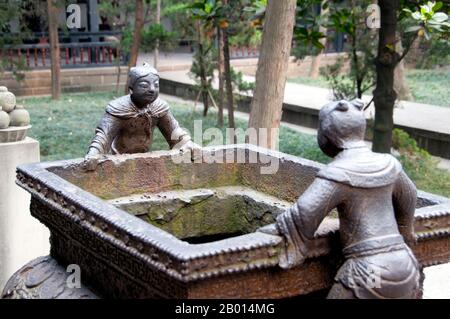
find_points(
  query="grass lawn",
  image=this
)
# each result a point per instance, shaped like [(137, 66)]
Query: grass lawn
[(65, 129), (427, 86)]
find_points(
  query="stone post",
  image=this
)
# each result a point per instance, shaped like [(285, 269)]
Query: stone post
[(22, 237)]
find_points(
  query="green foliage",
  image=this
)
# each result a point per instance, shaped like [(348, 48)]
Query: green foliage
[(180, 17), (307, 35), (17, 67), (17, 11), (126, 40), (428, 20), (256, 7), (302, 145), (120, 14), (342, 84), (243, 28), (154, 32), (208, 11), (252, 37), (362, 42), (349, 20), (419, 165), (434, 54), (239, 83), (428, 86), (204, 57), (172, 9), (65, 127), (361, 52)]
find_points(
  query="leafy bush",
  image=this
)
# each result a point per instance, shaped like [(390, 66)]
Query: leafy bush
[(154, 32), (342, 84), (419, 165), (239, 84), (427, 86)]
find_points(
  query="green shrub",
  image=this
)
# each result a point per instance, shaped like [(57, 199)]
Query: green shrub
[(419, 165)]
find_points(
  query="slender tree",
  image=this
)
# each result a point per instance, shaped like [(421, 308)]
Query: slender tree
[(400, 82), (221, 69), (52, 12), (158, 21), (119, 15), (273, 62), (427, 21), (138, 24), (314, 71), (227, 78), (384, 94)]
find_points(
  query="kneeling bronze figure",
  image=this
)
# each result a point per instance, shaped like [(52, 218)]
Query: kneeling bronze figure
[(375, 201), (129, 121)]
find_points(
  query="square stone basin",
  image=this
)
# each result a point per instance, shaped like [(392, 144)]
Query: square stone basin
[(147, 225)]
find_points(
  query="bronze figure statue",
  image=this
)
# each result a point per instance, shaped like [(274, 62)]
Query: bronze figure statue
[(375, 201), (129, 121)]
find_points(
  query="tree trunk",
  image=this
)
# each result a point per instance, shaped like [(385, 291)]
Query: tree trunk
[(221, 67), (228, 86), (400, 83), (384, 94), (315, 66), (227, 81), (118, 68), (204, 81), (272, 67), (138, 24), (201, 62), (52, 11), (316, 60), (158, 21)]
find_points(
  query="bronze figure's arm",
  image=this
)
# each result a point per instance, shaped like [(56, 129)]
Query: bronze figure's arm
[(105, 133), (172, 132), (404, 200), (299, 223)]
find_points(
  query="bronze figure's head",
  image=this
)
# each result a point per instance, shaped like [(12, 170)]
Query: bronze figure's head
[(341, 126), (143, 84)]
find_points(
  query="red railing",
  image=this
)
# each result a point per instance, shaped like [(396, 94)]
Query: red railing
[(243, 52), (88, 54)]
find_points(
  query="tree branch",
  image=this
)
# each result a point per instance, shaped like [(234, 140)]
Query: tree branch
[(147, 14), (407, 48)]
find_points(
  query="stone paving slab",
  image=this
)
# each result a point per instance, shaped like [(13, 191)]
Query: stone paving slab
[(437, 282)]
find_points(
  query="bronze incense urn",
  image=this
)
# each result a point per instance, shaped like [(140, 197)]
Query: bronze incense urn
[(148, 226)]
